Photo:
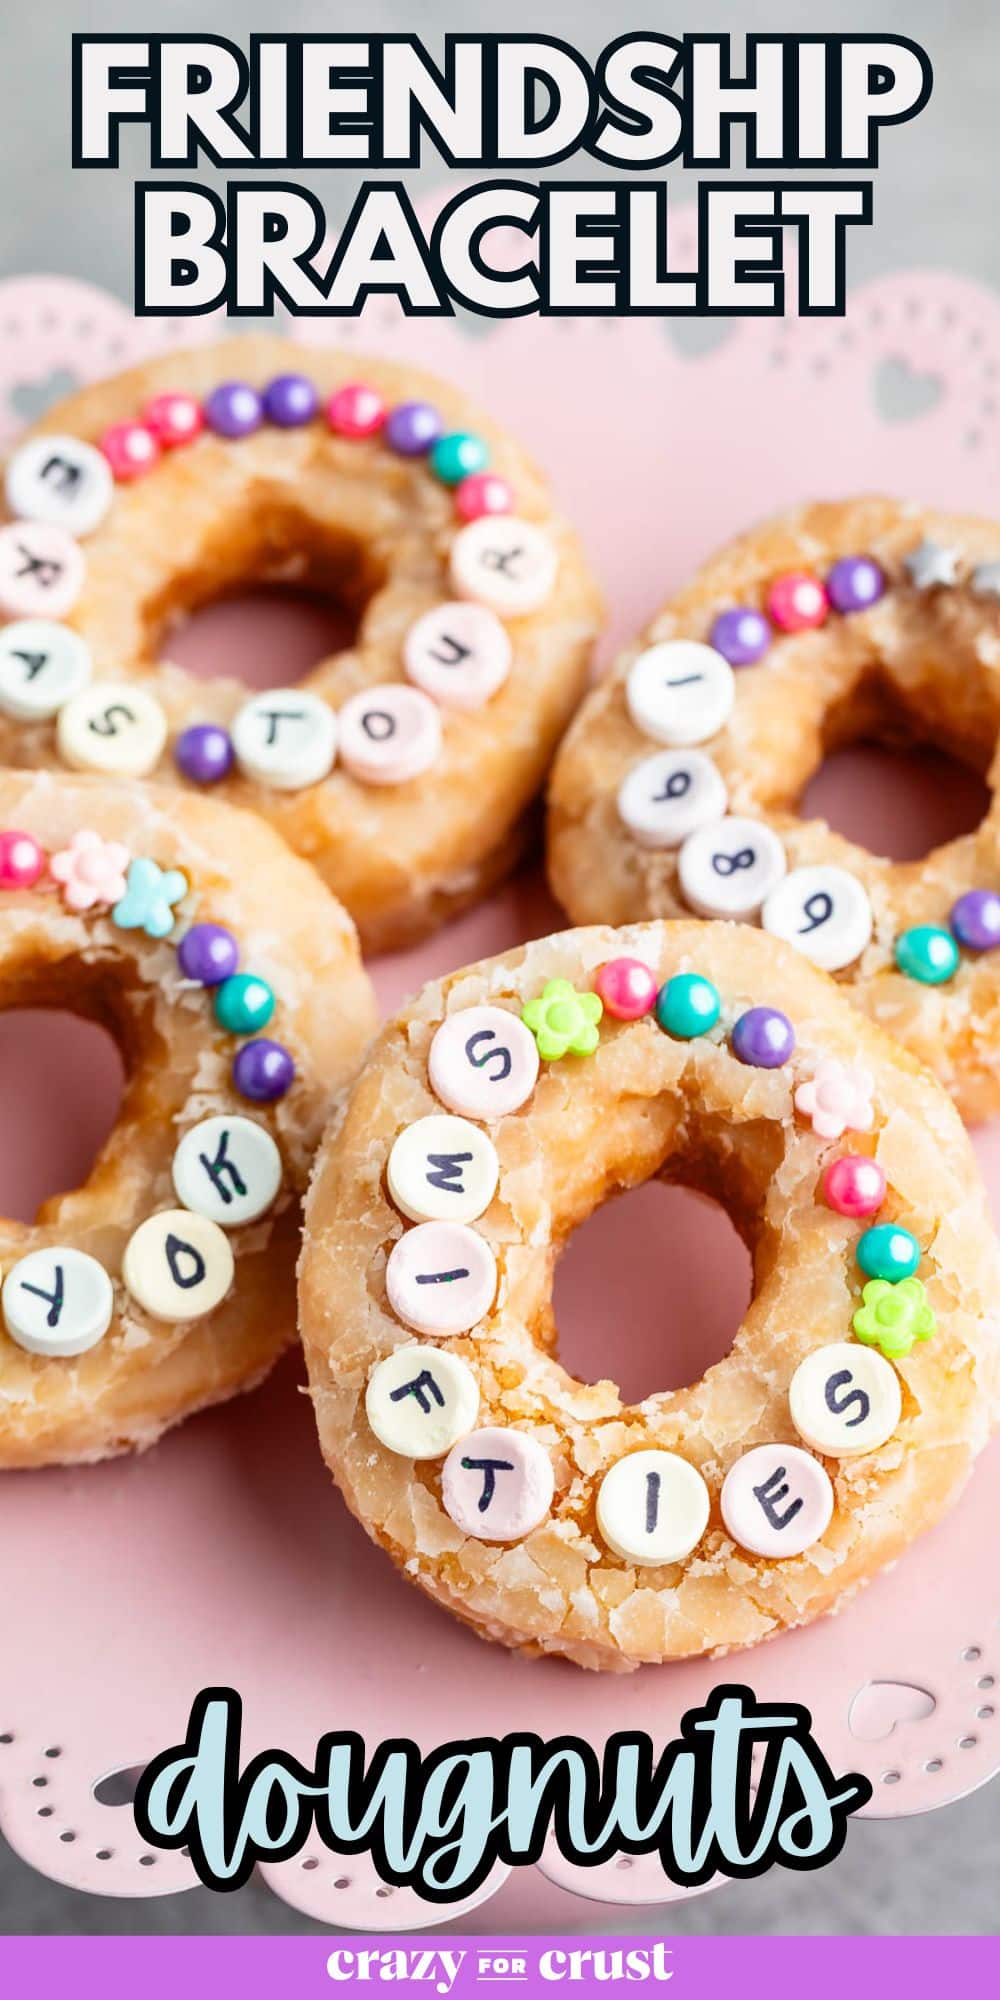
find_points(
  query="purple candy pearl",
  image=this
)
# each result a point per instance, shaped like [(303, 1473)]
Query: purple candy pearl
[(854, 583), (208, 953), (290, 400), (233, 410), (411, 428), (263, 1070), (741, 635), (763, 1037), (975, 919), (204, 753)]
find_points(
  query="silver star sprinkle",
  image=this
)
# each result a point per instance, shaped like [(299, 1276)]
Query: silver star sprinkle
[(986, 579), (931, 563)]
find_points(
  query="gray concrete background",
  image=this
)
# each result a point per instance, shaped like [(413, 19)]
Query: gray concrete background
[(934, 206)]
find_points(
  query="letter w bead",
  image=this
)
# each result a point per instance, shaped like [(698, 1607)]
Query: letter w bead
[(444, 1171)]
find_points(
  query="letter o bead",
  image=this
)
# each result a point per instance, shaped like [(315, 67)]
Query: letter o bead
[(845, 1399), (178, 1266), (776, 1500), (420, 1400)]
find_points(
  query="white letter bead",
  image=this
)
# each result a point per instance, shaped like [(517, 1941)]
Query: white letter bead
[(460, 654), (680, 692), (112, 726), (497, 1484), (60, 479), (670, 795), (285, 738), (776, 1500), (508, 564), (824, 911), (845, 1399), (441, 1277), (727, 869), (178, 1266), (652, 1508), (443, 1170), (483, 1062), (389, 734), (42, 665), (228, 1169), (420, 1400), (41, 570), (57, 1301)]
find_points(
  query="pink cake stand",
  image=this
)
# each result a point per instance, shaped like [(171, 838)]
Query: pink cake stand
[(224, 1555)]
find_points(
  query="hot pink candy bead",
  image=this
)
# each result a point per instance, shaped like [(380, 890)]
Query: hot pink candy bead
[(482, 493), (854, 1185), (174, 418), (797, 602), (21, 860), (627, 988), (355, 411), (130, 450)]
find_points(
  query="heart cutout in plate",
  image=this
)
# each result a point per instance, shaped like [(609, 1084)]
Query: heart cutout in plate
[(902, 393), (880, 1705)]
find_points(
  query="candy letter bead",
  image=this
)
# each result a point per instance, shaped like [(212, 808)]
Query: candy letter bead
[(688, 1005), (627, 987), (441, 1277), (652, 1508), (62, 480), (763, 1038), (497, 1484), (776, 1500), (670, 795), (421, 1400), (57, 1301), (729, 869), (459, 654), (41, 570), (286, 739), (824, 912), (178, 1265), (244, 1004), (975, 919), (442, 1170), (505, 563), (797, 603), (854, 1185), (928, 954), (680, 692), (887, 1251), (42, 665), (114, 727), (845, 1399), (389, 734), (228, 1169), (483, 1062)]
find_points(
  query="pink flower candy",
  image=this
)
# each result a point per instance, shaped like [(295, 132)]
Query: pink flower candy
[(838, 1098), (91, 870)]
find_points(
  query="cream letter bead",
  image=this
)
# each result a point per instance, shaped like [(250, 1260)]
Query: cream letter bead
[(285, 738), (42, 665), (60, 479), (420, 1400), (726, 869), (845, 1399), (113, 727), (652, 1508), (824, 912), (680, 692), (670, 795), (57, 1301), (508, 564), (443, 1170), (178, 1266)]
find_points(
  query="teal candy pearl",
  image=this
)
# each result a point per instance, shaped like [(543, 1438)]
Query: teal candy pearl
[(886, 1251), (243, 1004), (688, 1005), (928, 954), (458, 454)]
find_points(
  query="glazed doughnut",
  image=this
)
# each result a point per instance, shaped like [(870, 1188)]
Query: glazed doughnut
[(503, 1106), (677, 787), (402, 767), (231, 981)]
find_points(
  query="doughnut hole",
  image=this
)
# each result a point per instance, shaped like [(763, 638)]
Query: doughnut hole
[(900, 783), (62, 1080)]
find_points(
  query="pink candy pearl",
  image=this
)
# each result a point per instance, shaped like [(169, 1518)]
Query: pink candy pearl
[(627, 988), (482, 493), (21, 860), (355, 411), (130, 450), (854, 1185), (174, 418), (797, 602)]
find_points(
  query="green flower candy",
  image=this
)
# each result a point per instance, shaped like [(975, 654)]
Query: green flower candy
[(563, 1021), (894, 1317)]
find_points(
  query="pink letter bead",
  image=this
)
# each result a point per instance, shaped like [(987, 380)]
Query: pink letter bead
[(627, 988), (421, 1400), (505, 563), (854, 1185), (130, 450), (441, 1277), (797, 602), (776, 1500), (483, 1062), (41, 570), (458, 653), (497, 1484), (389, 734), (174, 418), (21, 860)]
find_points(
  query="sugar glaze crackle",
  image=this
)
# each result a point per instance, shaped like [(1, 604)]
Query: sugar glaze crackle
[(401, 767), (491, 1118), (237, 997)]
